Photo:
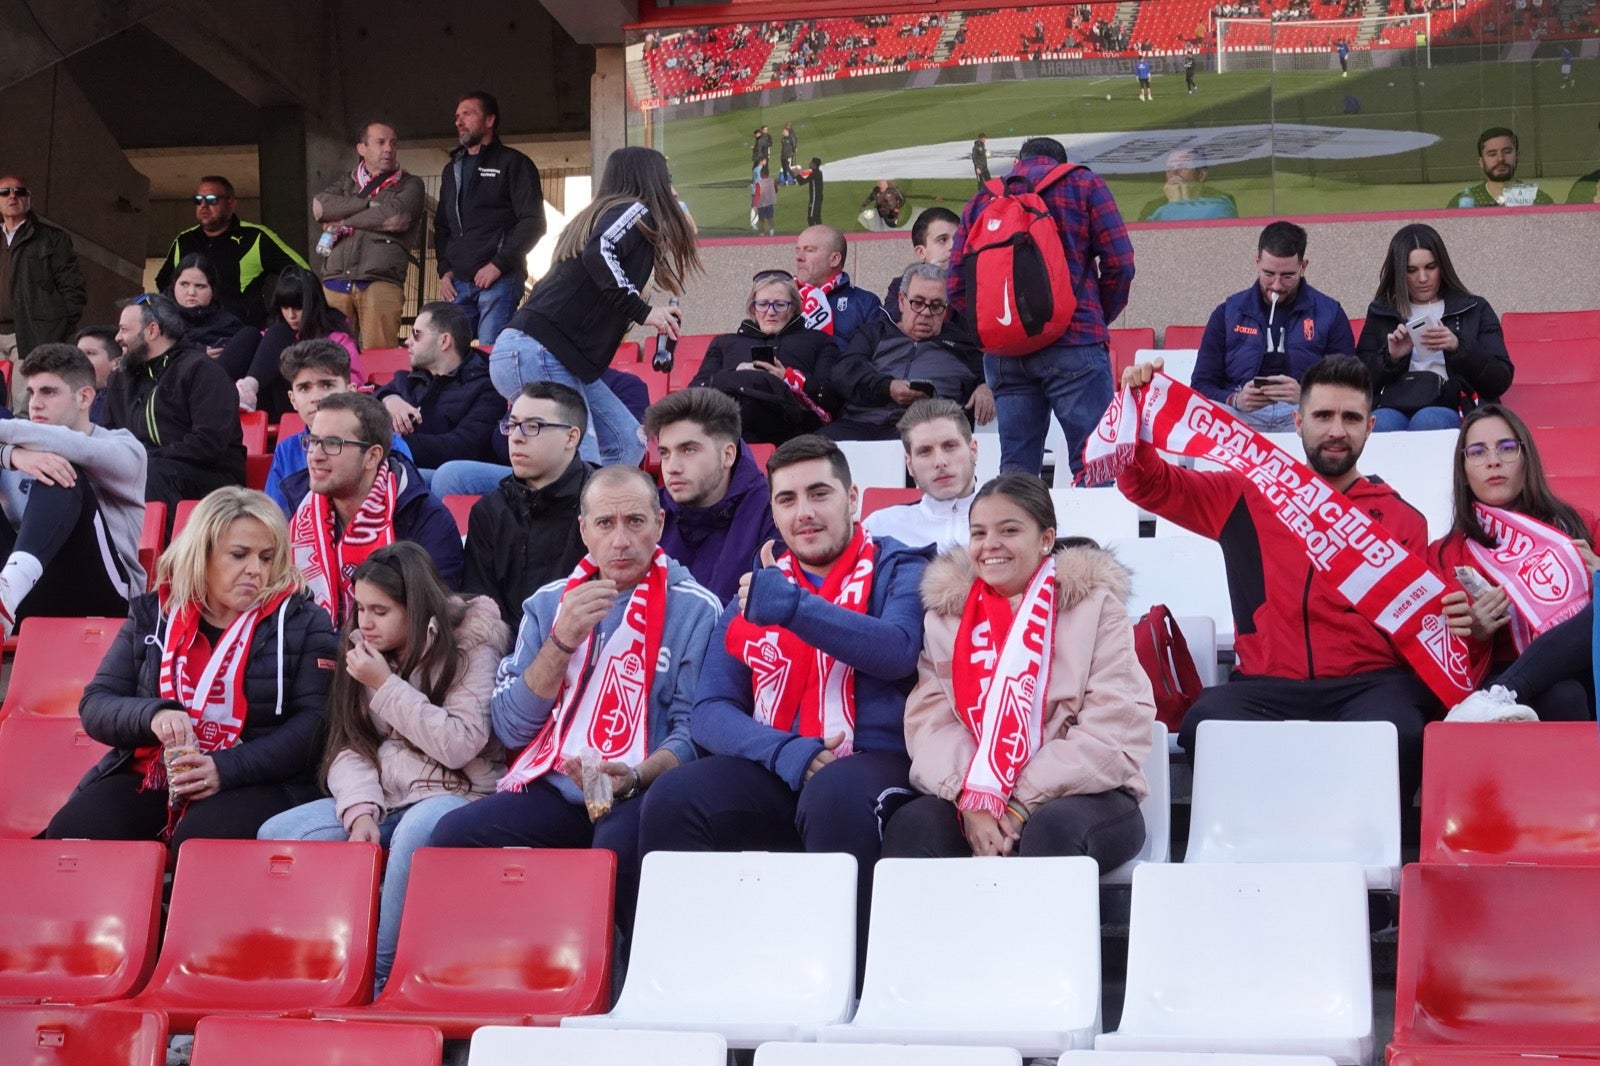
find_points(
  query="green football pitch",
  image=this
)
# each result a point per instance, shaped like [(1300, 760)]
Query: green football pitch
[(1453, 101)]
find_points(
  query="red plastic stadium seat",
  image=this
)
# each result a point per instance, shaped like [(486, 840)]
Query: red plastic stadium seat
[(225, 1041), (1126, 344), (290, 424), (1525, 792), (56, 658), (878, 499), (656, 384), (81, 918), (266, 927), (1468, 1057), (150, 539), (1568, 451), (1582, 490), (382, 364), (1498, 958), (460, 508), (688, 357), (628, 353), (82, 1036), (1572, 404), (533, 947), (41, 762), (761, 453), (1520, 326), (1182, 336), (1557, 362), (1356, 325), (180, 515), (253, 424), (256, 469)]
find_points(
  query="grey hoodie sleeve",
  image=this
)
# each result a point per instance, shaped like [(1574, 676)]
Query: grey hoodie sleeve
[(110, 455)]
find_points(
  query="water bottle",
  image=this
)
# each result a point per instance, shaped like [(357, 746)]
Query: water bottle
[(326, 242), (1466, 200), (666, 344)]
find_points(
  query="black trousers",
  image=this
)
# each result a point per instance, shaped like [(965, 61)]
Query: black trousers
[(1106, 826), (62, 527), (170, 480), (1555, 673)]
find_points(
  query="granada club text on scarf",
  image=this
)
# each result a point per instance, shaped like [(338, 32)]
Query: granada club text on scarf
[(1542, 573), (1369, 568)]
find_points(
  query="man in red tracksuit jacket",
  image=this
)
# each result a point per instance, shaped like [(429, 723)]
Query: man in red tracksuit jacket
[(1303, 652)]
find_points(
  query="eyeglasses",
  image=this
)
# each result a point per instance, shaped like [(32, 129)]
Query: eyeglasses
[(207, 198), (332, 446), (19, 191), (772, 275), (926, 307), (1507, 451), (529, 427), (772, 306)]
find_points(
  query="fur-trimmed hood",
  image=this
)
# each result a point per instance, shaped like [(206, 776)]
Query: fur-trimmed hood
[(1079, 572)]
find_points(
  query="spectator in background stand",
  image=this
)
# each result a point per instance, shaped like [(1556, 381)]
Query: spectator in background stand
[(765, 195), (99, 343), (247, 257), (299, 313), (887, 201), (445, 406), (828, 301), (206, 322), (1586, 190), (42, 292), (931, 236), (1498, 149), (942, 458)]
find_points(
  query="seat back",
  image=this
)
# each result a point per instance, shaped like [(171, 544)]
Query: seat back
[(226, 1041), (1568, 451), (1189, 1058), (1103, 514), (290, 424), (1420, 466), (656, 385), (152, 538), (1558, 362), (181, 515), (56, 658), (460, 508), (1234, 950), (1176, 363), (504, 1045), (1182, 336), (382, 364), (1501, 957), (627, 354), (1334, 788), (41, 762), (687, 358), (1571, 404), (876, 464), (693, 953), (915, 981), (1156, 808), (253, 425), (295, 932), (1185, 573), (1501, 792), (1523, 326), (81, 918), (537, 939), (55, 1035), (878, 499), (781, 1053), (1127, 346)]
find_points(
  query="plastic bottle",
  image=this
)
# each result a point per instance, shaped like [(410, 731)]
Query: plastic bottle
[(326, 242), (1466, 200), (666, 344)]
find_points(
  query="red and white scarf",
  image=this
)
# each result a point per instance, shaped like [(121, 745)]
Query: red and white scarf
[(328, 565), (612, 717), (790, 678), (797, 385), (1537, 565), (369, 185), (1000, 676), (1370, 570), (814, 305)]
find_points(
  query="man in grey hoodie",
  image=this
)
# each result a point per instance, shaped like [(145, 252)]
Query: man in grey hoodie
[(73, 496)]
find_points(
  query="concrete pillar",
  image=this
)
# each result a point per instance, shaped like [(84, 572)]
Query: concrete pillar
[(298, 160), (608, 106)]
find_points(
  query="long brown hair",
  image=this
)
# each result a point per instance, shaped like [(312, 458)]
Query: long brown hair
[(640, 174), (1418, 236), (405, 573), (1536, 500)]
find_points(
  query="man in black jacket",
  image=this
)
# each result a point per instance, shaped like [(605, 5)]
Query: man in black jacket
[(491, 214), (42, 293), (247, 257), (178, 401), (445, 407), (524, 534)]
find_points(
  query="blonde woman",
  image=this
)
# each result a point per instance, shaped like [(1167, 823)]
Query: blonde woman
[(212, 695)]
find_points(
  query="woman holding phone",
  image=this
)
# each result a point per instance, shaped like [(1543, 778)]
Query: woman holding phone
[(1434, 349)]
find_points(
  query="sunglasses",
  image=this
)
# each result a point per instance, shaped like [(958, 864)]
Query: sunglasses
[(19, 191), (772, 275), (207, 198)]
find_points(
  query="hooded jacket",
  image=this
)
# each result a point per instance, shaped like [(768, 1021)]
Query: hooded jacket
[(183, 408), (881, 352), (769, 410), (882, 645), (460, 412), (1098, 704), (719, 543), (1234, 344), (48, 294), (1478, 371), (491, 210), (286, 676), (520, 539), (210, 326), (426, 749)]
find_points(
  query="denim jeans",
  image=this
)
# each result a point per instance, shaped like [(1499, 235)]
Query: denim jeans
[(1071, 380), (488, 310), (1388, 420), (613, 435), (1273, 418), (466, 477), (402, 832)]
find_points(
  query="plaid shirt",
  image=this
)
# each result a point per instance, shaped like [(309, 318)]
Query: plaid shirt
[(1093, 235)]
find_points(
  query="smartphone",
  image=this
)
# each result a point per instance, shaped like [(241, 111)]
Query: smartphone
[(1418, 323), (764, 353), (1261, 383), (924, 387)]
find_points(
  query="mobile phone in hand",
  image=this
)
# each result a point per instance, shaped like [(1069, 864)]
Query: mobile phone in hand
[(763, 353), (924, 387), (1261, 383)]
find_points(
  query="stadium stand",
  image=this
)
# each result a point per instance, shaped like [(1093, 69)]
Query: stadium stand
[(41, 762), (55, 1035), (1156, 807), (55, 659), (227, 1041)]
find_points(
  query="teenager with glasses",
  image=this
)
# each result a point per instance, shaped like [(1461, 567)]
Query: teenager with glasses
[(1497, 466), (775, 368), (247, 256), (523, 532)]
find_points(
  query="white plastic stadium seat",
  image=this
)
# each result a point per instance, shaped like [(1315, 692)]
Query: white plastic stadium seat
[(1156, 808), (696, 964), (876, 464), (1298, 792), (1102, 513), (1180, 1058), (1200, 633), (1420, 467), (950, 959), (1262, 958), (509, 1045), (776, 1054), (1185, 573), (1179, 362)]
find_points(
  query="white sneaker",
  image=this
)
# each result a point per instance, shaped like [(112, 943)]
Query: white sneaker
[(1497, 704)]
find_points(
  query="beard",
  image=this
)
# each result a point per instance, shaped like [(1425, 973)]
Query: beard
[(1333, 465), (138, 353)]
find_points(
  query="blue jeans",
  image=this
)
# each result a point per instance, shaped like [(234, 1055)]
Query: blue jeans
[(1072, 380), (402, 832), (466, 477), (1273, 418), (1388, 420), (488, 310), (612, 437)]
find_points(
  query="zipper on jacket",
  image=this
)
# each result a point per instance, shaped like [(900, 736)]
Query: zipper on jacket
[(1305, 623)]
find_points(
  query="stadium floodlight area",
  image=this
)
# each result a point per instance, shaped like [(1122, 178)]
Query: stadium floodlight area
[(1313, 44)]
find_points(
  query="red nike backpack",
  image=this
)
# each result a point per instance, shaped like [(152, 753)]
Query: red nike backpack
[(1019, 287)]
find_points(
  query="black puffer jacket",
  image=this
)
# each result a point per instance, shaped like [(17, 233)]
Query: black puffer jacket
[(210, 326), (182, 407), (770, 411), (519, 539), (285, 684), (1480, 366)]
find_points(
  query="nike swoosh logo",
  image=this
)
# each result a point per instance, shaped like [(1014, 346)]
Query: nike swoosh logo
[(1005, 304)]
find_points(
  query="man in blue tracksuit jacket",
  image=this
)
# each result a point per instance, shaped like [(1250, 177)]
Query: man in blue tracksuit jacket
[(1271, 332), (802, 754)]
